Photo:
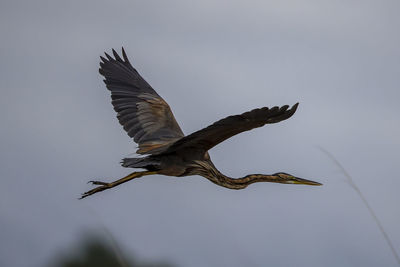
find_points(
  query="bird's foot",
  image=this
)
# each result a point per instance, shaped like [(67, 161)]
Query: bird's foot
[(97, 183), (103, 186)]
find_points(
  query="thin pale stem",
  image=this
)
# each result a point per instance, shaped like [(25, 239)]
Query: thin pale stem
[(364, 200)]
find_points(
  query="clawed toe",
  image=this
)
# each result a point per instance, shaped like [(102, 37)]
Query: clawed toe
[(103, 186), (97, 183), (95, 190)]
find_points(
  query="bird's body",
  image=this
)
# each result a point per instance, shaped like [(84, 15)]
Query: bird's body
[(148, 119)]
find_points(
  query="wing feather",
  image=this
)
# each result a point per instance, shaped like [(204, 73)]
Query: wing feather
[(144, 115), (223, 129)]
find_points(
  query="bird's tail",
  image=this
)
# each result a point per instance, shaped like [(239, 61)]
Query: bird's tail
[(139, 163)]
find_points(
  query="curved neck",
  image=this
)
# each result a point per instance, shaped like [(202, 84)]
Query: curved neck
[(209, 171), (240, 183)]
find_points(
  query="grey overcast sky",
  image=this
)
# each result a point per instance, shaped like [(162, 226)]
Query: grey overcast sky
[(208, 59)]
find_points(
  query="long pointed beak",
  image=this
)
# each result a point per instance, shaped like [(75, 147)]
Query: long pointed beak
[(297, 180)]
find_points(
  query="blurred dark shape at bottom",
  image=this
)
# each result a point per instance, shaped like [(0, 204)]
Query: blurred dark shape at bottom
[(93, 250)]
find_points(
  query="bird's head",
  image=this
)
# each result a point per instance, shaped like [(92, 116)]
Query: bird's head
[(285, 178)]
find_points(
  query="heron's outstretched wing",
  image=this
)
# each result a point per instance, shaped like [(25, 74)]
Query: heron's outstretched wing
[(145, 116), (223, 129)]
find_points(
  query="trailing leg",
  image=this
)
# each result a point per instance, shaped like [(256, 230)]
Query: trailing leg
[(103, 186)]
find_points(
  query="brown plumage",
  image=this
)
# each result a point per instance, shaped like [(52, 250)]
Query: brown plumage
[(148, 119)]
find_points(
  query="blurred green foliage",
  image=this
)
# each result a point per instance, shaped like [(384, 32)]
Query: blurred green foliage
[(94, 251)]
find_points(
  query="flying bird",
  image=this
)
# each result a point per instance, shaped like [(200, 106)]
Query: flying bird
[(148, 119)]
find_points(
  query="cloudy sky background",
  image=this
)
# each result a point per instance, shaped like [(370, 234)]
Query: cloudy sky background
[(208, 60)]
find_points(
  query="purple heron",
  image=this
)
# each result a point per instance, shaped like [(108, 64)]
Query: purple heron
[(148, 119)]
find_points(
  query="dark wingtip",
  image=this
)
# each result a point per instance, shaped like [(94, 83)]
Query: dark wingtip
[(283, 108), (124, 55), (108, 56), (117, 57), (283, 113), (103, 59), (294, 107)]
